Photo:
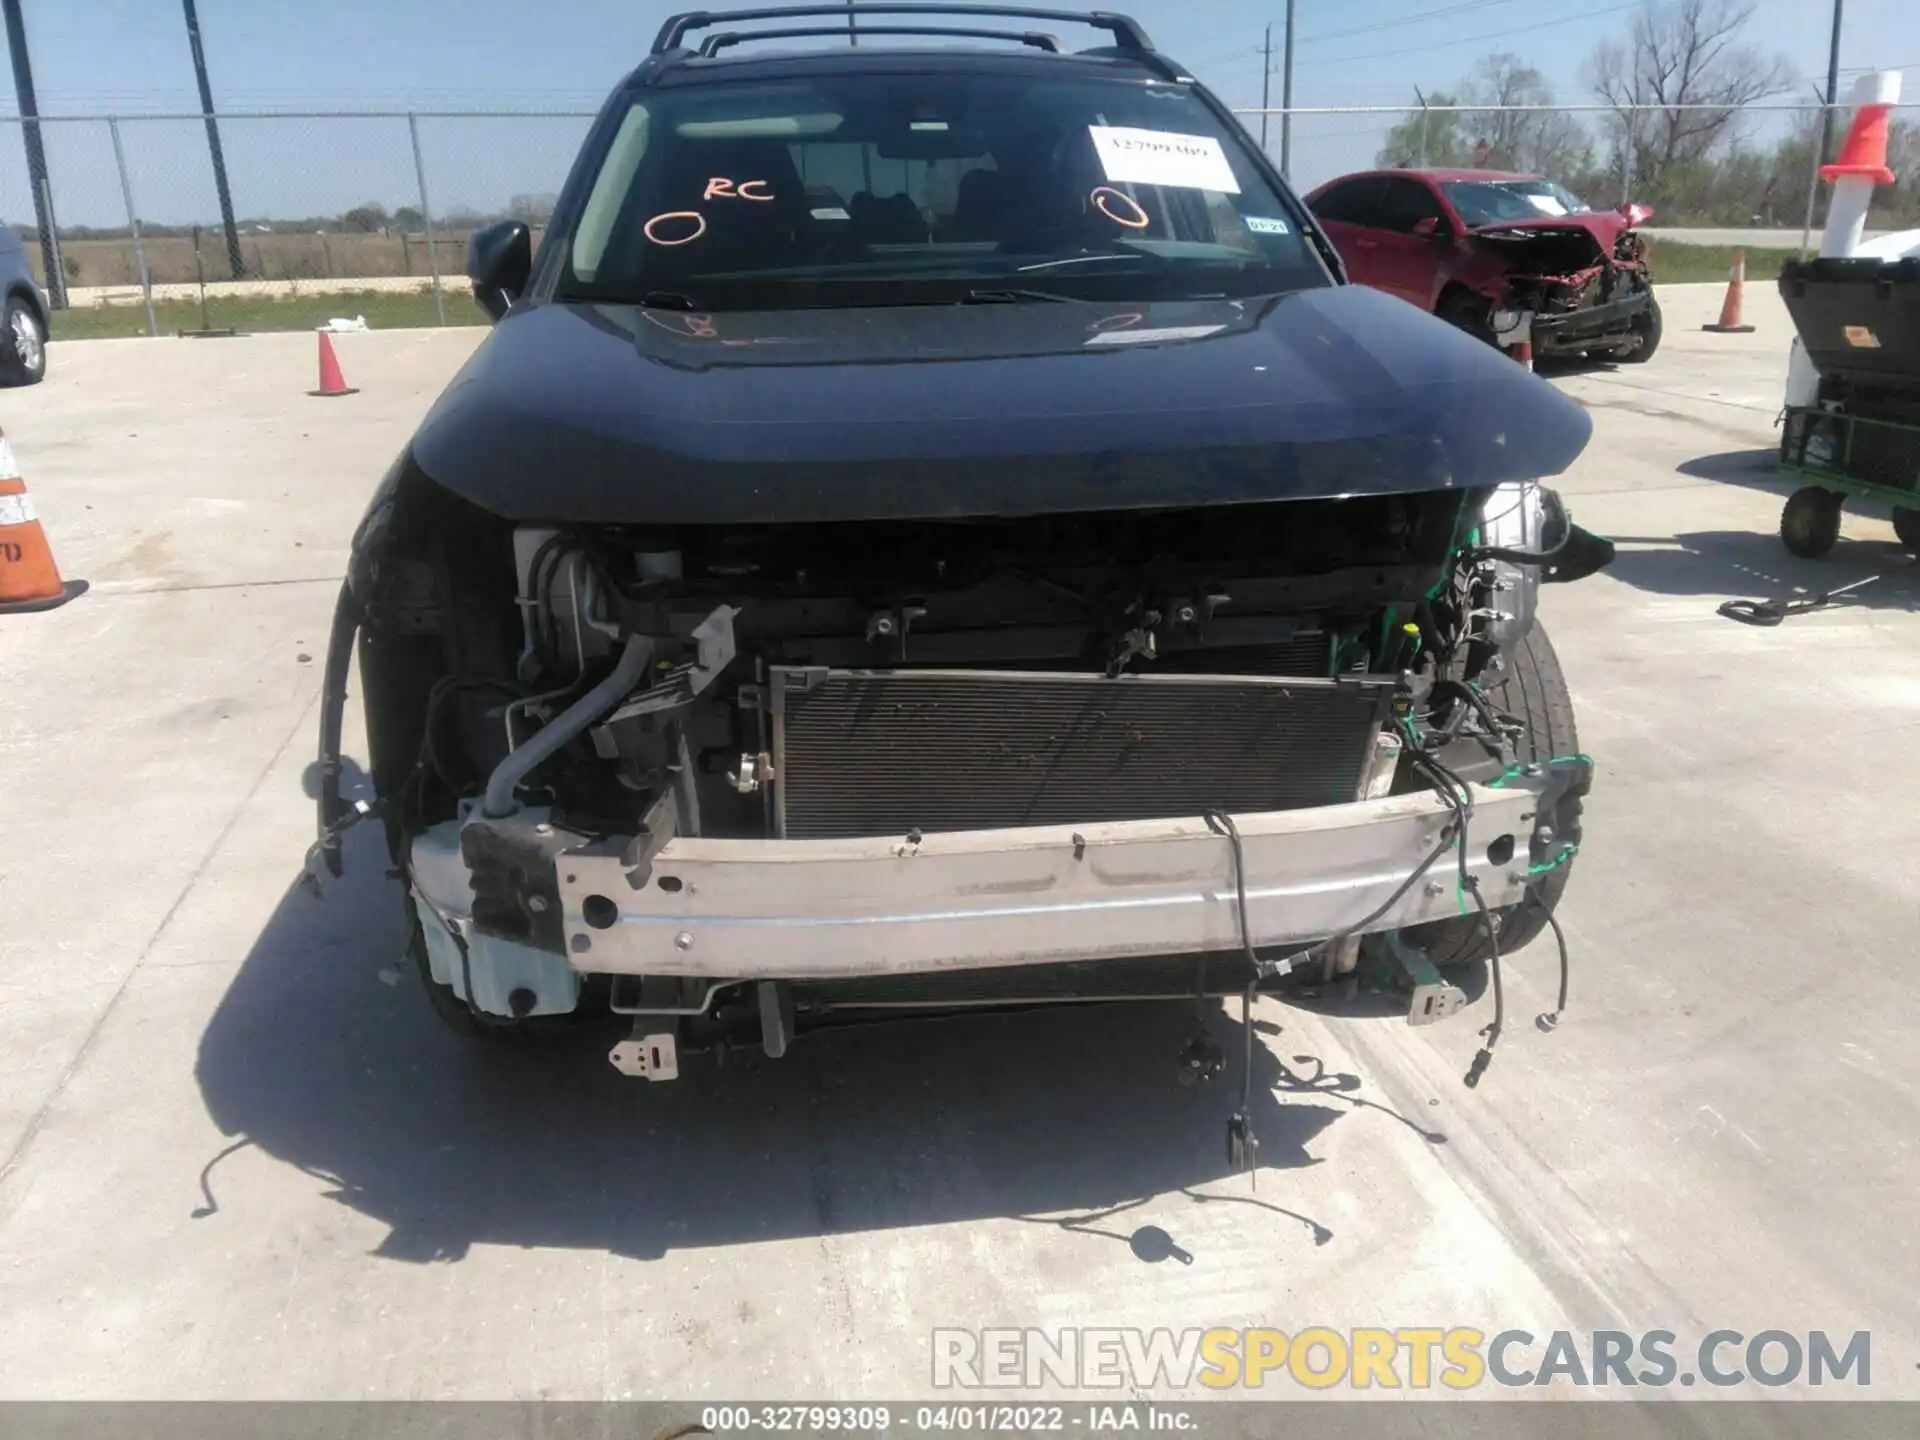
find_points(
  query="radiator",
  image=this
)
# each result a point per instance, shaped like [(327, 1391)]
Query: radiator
[(884, 752)]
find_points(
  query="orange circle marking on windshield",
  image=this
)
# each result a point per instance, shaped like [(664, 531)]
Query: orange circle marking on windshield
[(1104, 194), (698, 219), (693, 327)]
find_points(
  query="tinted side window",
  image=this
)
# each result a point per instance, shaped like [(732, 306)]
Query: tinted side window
[(1353, 202), (1404, 203)]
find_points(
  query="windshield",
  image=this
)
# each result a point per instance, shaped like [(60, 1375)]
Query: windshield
[(876, 188), (1490, 202)]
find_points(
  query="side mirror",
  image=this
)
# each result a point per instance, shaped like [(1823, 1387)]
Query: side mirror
[(1431, 228), (499, 260)]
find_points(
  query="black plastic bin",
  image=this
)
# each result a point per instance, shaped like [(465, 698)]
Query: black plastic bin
[(1859, 319)]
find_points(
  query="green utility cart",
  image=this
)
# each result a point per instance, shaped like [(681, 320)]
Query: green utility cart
[(1860, 322)]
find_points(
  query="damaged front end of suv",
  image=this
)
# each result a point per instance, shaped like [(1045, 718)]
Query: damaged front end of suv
[(756, 666)]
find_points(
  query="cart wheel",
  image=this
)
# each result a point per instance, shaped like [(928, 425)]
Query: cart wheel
[(1811, 522), (1906, 524)]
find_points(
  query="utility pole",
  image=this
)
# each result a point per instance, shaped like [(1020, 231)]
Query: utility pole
[(36, 154), (1266, 86), (1833, 88), (1286, 101), (225, 195), (853, 29)]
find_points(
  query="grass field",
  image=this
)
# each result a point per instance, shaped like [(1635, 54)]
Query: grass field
[(1676, 264), (384, 310), (1673, 263)]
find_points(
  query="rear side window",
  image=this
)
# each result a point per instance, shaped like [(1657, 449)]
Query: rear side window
[(1351, 202)]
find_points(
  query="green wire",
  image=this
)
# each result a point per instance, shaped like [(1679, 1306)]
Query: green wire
[(1514, 770)]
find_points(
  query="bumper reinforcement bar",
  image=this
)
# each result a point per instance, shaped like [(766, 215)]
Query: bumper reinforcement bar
[(824, 909)]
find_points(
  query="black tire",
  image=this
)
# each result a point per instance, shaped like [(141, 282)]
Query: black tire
[(1647, 325), (1466, 311), (1535, 693), (23, 345), (1810, 523), (1906, 524)]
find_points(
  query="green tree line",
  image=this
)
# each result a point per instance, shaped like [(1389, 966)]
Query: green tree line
[(1677, 132)]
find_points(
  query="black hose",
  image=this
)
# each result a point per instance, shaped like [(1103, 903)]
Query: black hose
[(1547, 1022), (347, 615), (1521, 557)]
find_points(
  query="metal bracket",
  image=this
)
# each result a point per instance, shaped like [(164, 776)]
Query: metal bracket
[(648, 1057), (776, 1016), (890, 627), (713, 650), (1434, 999), (752, 772)]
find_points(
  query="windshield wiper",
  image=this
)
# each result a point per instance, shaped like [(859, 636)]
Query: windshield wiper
[(667, 300), (999, 295)]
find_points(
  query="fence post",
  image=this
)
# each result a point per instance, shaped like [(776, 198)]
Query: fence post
[(133, 224), (1813, 188), (53, 240), (426, 215)]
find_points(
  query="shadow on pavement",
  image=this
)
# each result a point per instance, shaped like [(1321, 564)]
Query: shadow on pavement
[(1754, 469), (311, 1059), (1715, 563)]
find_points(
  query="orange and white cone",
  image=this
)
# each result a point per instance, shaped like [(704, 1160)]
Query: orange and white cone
[(29, 580), (1862, 164), (1730, 322), (332, 381), (1523, 352)]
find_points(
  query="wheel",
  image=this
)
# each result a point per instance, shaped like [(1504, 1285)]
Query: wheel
[(23, 349), (1466, 311), (1906, 524), (1535, 693), (1648, 327), (1811, 522)]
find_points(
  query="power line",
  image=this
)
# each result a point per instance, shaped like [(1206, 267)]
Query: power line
[(1243, 53), (1418, 17), (1481, 39)]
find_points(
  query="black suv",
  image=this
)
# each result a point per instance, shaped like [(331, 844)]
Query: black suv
[(931, 527)]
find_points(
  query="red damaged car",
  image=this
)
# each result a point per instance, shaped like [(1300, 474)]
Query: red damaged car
[(1486, 249)]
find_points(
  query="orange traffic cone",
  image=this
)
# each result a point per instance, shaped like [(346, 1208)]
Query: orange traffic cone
[(29, 580), (1523, 352), (332, 382), (1736, 294), (1863, 154)]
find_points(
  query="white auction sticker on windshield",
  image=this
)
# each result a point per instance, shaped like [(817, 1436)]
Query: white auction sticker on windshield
[(1160, 157)]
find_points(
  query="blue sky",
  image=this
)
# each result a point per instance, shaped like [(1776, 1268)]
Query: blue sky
[(98, 57)]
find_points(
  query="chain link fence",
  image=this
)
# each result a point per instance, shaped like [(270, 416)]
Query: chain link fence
[(365, 205), (381, 204)]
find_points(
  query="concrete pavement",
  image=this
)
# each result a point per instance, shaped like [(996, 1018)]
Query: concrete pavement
[(239, 1159)]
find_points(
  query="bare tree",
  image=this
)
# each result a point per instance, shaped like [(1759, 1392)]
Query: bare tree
[(1681, 54), (1535, 139)]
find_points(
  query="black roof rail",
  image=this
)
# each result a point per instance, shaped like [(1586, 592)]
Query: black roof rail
[(714, 44), (1127, 33)]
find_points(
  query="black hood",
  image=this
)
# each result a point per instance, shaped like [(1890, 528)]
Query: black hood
[(615, 414)]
